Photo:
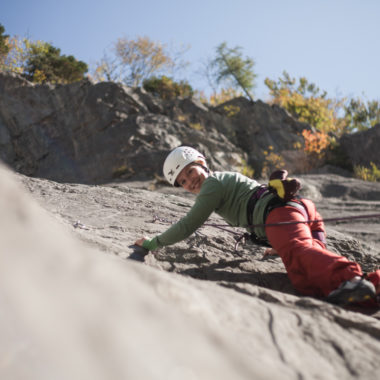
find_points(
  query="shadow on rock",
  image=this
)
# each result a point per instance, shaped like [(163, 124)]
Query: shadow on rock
[(220, 272), (138, 253)]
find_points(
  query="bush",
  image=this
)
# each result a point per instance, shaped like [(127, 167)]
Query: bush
[(166, 88), (223, 96), (246, 169), (307, 103), (360, 116), (367, 174), (272, 161), (46, 64), (40, 62)]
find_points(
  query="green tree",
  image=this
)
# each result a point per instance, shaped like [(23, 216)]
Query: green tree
[(40, 62), (230, 67), (19, 50), (360, 116), (4, 47), (131, 61), (46, 64), (303, 88)]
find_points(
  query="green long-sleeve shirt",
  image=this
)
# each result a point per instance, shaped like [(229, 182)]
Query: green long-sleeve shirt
[(226, 193)]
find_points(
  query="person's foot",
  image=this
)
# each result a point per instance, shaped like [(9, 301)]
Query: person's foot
[(356, 290)]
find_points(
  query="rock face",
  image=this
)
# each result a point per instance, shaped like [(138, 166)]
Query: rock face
[(362, 148), (69, 312), (80, 301), (261, 130), (94, 133), (69, 296)]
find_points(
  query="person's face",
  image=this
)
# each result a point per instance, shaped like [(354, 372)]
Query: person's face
[(191, 178)]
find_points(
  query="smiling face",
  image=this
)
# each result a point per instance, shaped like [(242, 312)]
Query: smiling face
[(192, 177)]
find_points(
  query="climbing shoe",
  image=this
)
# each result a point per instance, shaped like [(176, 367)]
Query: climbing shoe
[(352, 292)]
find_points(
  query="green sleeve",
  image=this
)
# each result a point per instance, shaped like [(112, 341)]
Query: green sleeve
[(206, 202), (150, 244)]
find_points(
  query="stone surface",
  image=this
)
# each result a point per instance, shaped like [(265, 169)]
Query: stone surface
[(69, 296), (71, 312), (260, 128), (95, 133), (362, 148)]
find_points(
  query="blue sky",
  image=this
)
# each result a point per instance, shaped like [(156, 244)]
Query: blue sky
[(333, 43)]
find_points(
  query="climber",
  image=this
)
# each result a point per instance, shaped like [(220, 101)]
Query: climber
[(241, 201)]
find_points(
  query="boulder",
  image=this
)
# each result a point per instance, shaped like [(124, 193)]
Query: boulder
[(362, 148), (268, 134)]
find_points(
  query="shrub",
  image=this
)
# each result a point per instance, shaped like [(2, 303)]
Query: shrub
[(360, 116), (246, 169), (316, 147), (223, 96), (196, 126), (46, 64), (40, 62), (231, 110), (272, 162), (307, 103), (167, 88), (367, 174)]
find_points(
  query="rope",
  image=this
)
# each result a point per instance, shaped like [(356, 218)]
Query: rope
[(325, 220), (223, 227), (244, 236)]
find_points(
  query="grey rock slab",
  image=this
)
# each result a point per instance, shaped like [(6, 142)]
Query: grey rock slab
[(218, 314)]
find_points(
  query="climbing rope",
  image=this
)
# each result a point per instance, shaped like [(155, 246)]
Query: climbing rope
[(324, 220), (240, 236)]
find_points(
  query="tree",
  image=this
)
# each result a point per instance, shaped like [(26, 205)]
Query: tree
[(40, 62), (18, 54), (46, 64), (230, 67), (308, 103), (133, 61), (360, 115), (4, 47), (287, 83)]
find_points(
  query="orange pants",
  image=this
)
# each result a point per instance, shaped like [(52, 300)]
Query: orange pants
[(312, 269)]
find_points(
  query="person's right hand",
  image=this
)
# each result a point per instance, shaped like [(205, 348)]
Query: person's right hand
[(140, 241)]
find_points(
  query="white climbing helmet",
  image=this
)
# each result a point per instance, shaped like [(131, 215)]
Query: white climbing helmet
[(177, 160)]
